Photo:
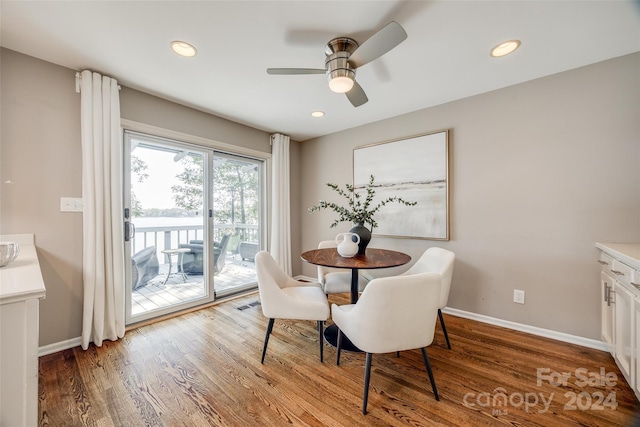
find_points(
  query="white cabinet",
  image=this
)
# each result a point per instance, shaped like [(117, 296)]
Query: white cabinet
[(637, 338), (620, 307), (22, 288), (607, 310), (624, 332)]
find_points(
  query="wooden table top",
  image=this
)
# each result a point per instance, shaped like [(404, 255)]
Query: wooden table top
[(373, 258)]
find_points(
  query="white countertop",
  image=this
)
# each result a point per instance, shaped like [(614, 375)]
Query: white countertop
[(629, 253), (21, 279)]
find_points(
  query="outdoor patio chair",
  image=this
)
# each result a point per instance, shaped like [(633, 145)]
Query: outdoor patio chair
[(232, 248), (248, 250), (193, 261), (144, 267)]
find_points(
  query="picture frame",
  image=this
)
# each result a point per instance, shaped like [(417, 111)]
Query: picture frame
[(415, 168)]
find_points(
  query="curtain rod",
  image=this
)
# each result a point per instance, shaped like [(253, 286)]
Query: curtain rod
[(79, 78)]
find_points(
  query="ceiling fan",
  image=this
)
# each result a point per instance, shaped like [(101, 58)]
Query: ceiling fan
[(344, 56)]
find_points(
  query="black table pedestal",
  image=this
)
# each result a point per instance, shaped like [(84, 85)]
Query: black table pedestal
[(331, 336)]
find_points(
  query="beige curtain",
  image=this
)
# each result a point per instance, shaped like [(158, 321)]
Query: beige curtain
[(280, 247), (103, 230)]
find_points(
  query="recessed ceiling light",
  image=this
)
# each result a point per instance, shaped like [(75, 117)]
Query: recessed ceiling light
[(183, 48), (317, 114), (505, 48)]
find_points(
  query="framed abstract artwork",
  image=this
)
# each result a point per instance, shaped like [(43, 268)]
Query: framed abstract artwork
[(416, 169)]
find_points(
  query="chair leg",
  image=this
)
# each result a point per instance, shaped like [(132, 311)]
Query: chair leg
[(444, 329), (266, 339), (397, 354), (338, 346), (321, 339), (428, 365), (367, 375)]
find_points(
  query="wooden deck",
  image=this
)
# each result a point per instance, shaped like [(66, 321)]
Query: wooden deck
[(236, 275)]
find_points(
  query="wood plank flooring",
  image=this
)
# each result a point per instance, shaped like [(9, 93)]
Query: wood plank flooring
[(203, 369)]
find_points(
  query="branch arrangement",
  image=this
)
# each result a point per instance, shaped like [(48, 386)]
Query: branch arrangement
[(357, 209)]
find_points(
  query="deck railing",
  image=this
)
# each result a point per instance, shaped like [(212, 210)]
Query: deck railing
[(169, 237)]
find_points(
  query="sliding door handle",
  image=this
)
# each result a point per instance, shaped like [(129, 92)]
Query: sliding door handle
[(129, 231)]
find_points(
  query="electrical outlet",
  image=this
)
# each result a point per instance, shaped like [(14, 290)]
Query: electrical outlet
[(518, 296)]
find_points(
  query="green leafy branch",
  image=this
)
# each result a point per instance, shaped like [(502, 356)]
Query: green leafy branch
[(358, 209)]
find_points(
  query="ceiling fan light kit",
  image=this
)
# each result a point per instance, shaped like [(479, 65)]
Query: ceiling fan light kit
[(344, 56), (340, 84), (340, 73)]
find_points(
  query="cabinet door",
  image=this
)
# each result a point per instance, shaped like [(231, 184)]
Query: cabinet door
[(637, 352), (607, 311), (624, 337)]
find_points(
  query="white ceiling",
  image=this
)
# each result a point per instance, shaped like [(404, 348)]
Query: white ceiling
[(445, 57)]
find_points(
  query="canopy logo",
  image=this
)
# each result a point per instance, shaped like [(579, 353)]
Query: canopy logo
[(499, 401)]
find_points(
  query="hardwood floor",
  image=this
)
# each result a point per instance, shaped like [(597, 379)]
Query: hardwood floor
[(203, 368)]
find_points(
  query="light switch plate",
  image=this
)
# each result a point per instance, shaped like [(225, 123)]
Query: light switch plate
[(71, 204)]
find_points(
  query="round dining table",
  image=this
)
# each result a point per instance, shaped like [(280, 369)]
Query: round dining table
[(373, 258)]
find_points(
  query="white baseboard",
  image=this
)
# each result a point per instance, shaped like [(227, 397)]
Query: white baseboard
[(59, 346), (547, 333)]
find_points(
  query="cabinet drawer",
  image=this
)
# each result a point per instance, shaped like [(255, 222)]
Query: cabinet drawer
[(605, 261), (635, 280), (623, 273)]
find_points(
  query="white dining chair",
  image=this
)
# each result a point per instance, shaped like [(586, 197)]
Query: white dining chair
[(283, 297), (393, 314), (338, 280), (437, 260)]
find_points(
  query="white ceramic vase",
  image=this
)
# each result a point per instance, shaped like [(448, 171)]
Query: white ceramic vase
[(347, 244)]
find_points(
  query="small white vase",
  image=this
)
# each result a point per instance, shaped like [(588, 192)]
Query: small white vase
[(347, 246)]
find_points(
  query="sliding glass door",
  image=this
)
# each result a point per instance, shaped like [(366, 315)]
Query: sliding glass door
[(166, 215), (194, 222), (237, 213)]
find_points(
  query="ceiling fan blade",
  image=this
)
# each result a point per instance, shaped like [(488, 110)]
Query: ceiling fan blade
[(290, 71), (356, 95), (388, 37)]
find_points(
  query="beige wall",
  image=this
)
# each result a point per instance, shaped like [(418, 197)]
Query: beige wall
[(539, 172), (150, 110), (40, 152)]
